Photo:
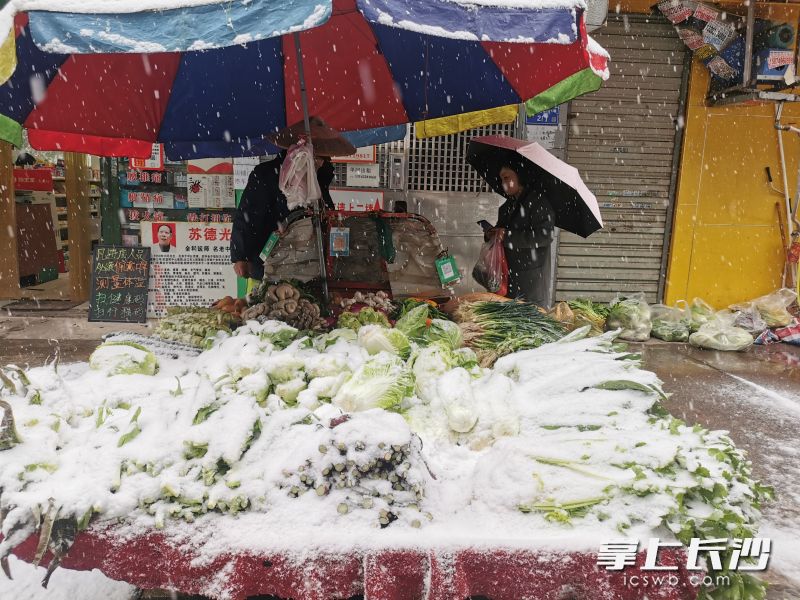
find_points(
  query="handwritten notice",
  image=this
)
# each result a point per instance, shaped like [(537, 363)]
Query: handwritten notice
[(120, 278)]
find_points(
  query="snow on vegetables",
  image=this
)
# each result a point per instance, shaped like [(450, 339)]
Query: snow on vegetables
[(193, 326), (123, 358), (348, 429)]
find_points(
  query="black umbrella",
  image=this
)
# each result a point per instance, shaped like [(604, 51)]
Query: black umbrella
[(575, 206)]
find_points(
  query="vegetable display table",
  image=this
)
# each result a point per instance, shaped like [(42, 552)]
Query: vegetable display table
[(152, 561)]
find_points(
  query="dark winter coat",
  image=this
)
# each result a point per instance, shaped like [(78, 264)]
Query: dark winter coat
[(262, 207), (529, 222)]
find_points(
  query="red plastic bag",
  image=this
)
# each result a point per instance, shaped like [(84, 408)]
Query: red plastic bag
[(491, 270)]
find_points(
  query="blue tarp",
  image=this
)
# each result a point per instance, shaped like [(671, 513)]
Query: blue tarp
[(176, 30), (226, 23), (484, 23)]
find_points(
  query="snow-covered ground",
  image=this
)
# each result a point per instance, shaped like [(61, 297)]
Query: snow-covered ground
[(64, 585)]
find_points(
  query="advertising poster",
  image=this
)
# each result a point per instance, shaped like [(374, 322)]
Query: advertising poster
[(190, 264), (210, 183)]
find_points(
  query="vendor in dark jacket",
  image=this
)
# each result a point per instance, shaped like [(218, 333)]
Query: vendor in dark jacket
[(528, 221), (261, 210)]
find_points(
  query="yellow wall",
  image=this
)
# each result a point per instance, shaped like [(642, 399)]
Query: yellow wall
[(726, 242)]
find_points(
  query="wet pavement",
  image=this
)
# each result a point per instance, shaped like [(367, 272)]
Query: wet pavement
[(755, 395)]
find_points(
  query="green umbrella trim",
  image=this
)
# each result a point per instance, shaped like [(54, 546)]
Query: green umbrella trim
[(10, 131), (582, 82)]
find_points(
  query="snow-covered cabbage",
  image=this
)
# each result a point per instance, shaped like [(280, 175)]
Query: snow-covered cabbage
[(428, 364), (414, 322), (123, 358), (289, 390), (496, 417), (454, 390), (284, 367), (255, 384), (325, 365), (381, 382), (277, 333), (467, 359), (445, 331), (326, 388), (375, 339), (329, 339)]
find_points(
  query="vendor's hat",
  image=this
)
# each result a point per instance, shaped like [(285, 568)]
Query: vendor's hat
[(326, 140)]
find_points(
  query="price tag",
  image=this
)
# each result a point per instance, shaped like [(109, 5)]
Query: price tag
[(692, 38), (675, 10), (340, 241), (720, 68), (779, 58), (705, 13), (719, 34), (269, 246), (705, 52), (447, 269)]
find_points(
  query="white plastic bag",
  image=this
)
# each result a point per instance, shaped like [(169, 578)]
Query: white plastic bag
[(632, 315), (701, 312), (749, 318), (719, 333), (298, 178), (772, 307), (671, 323)]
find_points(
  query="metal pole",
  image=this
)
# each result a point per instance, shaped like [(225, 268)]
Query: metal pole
[(320, 206), (748, 44), (786, 196)]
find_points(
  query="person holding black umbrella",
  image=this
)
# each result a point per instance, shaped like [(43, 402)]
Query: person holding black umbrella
[(542, 192), (527, 221)]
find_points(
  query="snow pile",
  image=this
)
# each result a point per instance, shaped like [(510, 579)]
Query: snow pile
[(297, 443)]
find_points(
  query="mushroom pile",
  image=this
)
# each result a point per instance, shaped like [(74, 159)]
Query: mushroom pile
[(283, 302), (378, 300)]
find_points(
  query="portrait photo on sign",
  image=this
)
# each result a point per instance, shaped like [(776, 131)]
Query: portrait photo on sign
[(163, 237)]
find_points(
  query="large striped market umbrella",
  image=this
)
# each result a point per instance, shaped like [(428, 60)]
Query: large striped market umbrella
[(211, 78)]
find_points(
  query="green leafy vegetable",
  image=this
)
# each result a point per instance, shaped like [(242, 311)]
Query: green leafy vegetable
[(375, 339), (414, 322), (381, 382), (445, 331)]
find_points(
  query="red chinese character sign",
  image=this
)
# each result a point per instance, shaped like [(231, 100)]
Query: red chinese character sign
[(357, 200), (191, 264), (35, 180)]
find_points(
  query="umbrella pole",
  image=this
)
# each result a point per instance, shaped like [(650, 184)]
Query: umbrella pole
[(320, 203)]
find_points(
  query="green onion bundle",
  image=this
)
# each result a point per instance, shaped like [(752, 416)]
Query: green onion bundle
[(494, 329)]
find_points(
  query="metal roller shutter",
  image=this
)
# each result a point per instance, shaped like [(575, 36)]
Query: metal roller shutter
[(623, 140)]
